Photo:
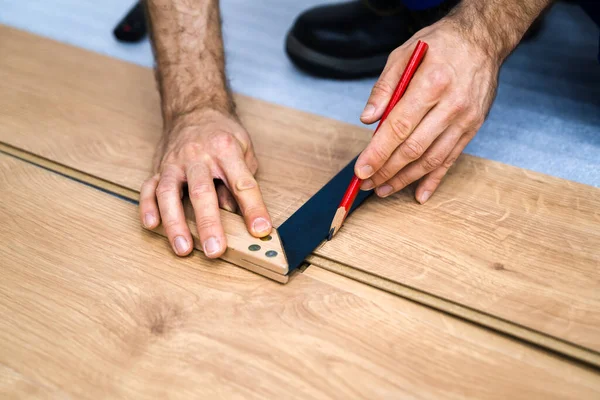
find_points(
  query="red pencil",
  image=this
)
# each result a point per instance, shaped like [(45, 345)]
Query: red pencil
[(354, 186)]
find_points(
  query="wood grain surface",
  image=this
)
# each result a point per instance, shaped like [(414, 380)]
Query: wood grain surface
[(523, 246), (93, 308), (513, 244)]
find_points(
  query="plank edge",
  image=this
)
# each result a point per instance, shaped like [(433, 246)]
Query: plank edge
[(533, 337), (276, 270)]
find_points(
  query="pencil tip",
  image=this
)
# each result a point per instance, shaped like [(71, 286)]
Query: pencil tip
[(331, 232)]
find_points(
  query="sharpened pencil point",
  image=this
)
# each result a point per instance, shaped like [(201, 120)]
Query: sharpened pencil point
[(353, 188), (337, 222), (331, 232)]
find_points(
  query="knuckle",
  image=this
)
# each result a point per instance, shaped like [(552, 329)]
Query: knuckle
[(206, 223), (198, 168), (401, 128), (381, 89), (471, 122), (440, 76), (251, 210), (379, 155), (399, 182), (449, 162), (191, 150), (245, 184), (384, 174), (152, 180), (471, 117), (164, 188), (198, 190), (474, 116), (412, 149), (432, 162), (393, 56), (171, 173), (459, 105), (171, 224), (222, 141), (435, 180)]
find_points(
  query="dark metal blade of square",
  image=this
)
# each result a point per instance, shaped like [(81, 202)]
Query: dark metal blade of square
[(302, 232)]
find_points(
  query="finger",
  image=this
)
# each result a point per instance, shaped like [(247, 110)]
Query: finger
[(158, 154), (168, 194), (431, 181), (226, 199), (384, 87), (421, 96), (251, 160), (149, 214), (247, 194), (433, 158), (432, 126), (203, 197)]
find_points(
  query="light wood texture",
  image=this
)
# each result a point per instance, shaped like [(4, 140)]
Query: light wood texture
[(511, 244), (13, 385), (449, 307), (94, 315), (520, 245), (238, 238), (458, 310)]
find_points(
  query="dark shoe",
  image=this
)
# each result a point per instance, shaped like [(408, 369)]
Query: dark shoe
[(132, 28), (352, 40)]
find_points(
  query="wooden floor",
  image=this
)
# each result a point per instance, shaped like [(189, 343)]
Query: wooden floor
[(517, 245), (86, 313), (99, 308)]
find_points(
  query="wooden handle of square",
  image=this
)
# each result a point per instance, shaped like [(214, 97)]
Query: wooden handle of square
[(263, 256)]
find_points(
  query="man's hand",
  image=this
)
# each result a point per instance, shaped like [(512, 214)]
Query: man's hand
[(199, 150), (448, 98), (440, 113), (203, 139)]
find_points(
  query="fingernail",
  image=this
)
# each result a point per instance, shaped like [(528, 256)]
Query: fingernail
[(229, 207), (368, 111), (365, 171), (384, 190), (211, 246), (181, 245), (424, 197), (149, 220), (367, 185), (260, 225)]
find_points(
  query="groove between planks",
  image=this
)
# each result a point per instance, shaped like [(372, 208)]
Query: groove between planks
[(458, 310), (497, 324)]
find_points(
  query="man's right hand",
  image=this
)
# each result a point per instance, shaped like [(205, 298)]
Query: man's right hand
[(198, 149)]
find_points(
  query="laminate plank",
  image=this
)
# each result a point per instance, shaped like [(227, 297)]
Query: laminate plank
[(14, 385), (516, 245), (444, 305), (92, 310)]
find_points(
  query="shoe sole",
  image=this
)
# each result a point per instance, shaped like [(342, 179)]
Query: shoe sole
[(327, 66)]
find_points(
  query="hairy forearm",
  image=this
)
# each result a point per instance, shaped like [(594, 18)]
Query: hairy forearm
[(190, 65), (497, 26)]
